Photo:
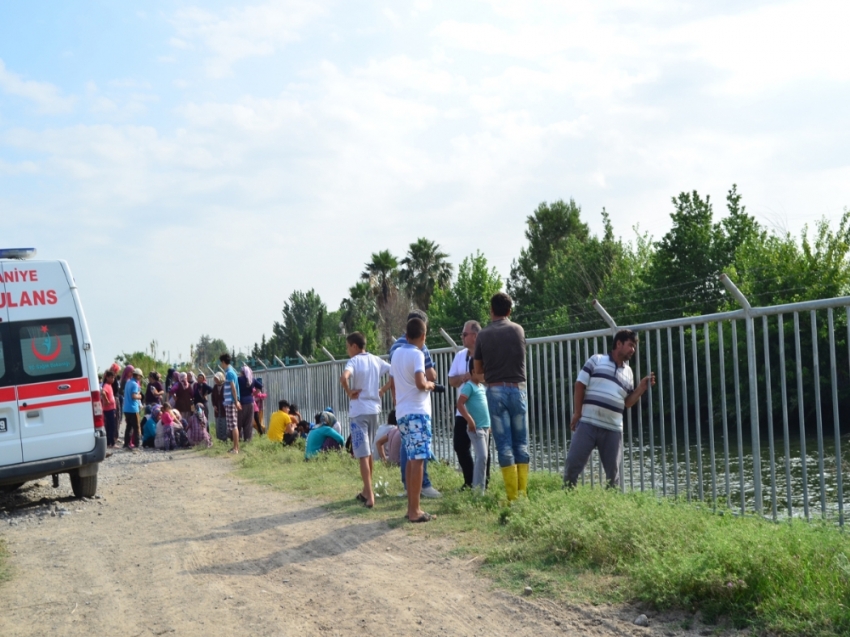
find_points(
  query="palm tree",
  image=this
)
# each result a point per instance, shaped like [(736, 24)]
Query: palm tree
[(423, 270), (379, 272)]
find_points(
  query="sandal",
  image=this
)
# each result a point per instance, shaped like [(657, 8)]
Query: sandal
[(425, 517), (233, 451), (359, 497)]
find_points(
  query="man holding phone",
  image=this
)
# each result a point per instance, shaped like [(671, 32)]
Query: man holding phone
[(604, 390)]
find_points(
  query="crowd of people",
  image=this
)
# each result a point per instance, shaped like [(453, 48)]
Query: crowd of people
[(175, 413), (489, 374)]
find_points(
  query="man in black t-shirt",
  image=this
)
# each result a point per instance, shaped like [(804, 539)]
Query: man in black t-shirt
[(499, 362)]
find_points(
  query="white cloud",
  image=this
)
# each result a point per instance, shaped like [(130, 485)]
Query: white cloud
[(773, 45), (258, 30), (47, 97), (177, 43)]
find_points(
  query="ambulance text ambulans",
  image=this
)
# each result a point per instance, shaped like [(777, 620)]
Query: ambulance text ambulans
[(51, 419)]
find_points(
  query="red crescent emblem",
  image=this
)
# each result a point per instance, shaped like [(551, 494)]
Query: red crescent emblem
[(47, 357)]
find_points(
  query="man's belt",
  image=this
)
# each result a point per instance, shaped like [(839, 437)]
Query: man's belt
[(517, 385)]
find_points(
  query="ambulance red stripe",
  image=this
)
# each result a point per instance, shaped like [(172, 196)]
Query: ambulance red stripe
[(54, 403), (45, 390), (7, 394)]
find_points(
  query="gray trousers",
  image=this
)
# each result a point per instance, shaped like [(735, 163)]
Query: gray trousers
[(480, 445), (587, 437)]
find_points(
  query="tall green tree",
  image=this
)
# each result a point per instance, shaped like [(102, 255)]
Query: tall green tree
[(469, 297), (771, 268), (206, 351), (576, 273), (300, 316), (548, 229), (695, 251), (424, 269), (358, 306)]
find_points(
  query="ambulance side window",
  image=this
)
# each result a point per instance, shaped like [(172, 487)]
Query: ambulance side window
[(5, 368), (48, 350)]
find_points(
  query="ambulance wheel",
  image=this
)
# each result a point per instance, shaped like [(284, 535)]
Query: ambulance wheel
[(9, 488), (83, 487)]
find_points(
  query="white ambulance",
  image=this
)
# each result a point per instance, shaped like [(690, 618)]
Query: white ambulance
[(51, 418)]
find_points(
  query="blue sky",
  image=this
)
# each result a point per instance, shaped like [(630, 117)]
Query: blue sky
[(196, 163)]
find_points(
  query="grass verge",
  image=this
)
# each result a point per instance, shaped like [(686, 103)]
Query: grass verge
[(602, 546)]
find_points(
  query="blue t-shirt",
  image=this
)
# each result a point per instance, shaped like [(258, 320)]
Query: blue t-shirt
[(131, 406), (402, 340), (317, 438), (476, 403), (230, 377)]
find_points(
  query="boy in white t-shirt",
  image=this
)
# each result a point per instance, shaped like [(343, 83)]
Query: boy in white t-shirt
[(361, 380), (413, 412)]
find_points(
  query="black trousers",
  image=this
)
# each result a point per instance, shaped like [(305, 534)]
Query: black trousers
[(463, 449), (131, 429)]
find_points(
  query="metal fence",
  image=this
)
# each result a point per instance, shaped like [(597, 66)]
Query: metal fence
[(741, 398)]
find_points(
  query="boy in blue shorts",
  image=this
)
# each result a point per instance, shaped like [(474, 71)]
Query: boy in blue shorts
[(413, 412)]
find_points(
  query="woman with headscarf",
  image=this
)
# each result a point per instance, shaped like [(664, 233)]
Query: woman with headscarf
[(182, 392), (200, 392), (259, 397), (155, 390), (169, 377), (245, 416), (165, 439), (218, 407), (197, 428)]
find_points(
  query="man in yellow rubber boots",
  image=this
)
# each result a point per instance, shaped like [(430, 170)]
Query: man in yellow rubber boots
[(499, 361)]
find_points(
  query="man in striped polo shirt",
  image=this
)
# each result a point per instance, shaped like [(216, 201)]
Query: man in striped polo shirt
[(604, 390)]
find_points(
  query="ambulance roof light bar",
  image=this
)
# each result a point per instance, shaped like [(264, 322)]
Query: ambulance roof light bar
[(17, 253)]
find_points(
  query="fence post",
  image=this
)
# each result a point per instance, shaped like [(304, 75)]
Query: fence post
[(753, 384), (327, 353), (279, 362), (301, 356), (605, 316), (448, 339)]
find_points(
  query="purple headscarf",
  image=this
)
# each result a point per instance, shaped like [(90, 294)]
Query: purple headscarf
[(247, 373)]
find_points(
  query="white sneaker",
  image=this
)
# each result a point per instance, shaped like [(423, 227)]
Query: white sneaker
[(431, 492)]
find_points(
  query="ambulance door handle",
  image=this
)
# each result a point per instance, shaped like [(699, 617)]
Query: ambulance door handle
[(33, 414), (63, 387)]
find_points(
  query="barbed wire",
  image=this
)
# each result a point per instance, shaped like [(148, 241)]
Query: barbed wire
[(536, 323)]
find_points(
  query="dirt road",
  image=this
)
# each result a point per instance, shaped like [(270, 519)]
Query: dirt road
[(175, 545)]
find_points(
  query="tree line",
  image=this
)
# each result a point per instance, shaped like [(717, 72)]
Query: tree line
[(563, 266), (560, 268)]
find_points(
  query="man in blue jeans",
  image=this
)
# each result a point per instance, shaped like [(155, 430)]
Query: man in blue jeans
[(499, 361), (428, 491)]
